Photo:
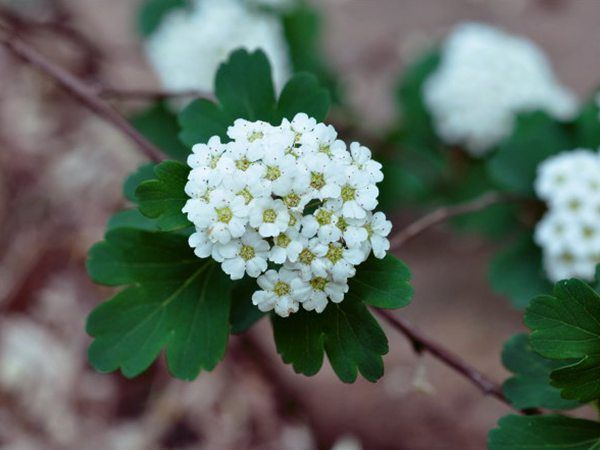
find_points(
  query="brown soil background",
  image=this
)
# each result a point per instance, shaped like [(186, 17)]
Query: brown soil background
[(420, 404)]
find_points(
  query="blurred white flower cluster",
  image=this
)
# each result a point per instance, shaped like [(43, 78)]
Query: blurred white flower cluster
[(292, 195), (189, 45), (486, 76), (569, 233)]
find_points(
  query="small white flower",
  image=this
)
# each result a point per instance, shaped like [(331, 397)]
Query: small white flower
[(358, 194), (361, 158), (324, 176), (201, 243), (323, 223), (341, 261), (287, 247), (378, 230), (246, 255), (280, 292), (224, 217), (270, 216), (311, 259), (318, 290)]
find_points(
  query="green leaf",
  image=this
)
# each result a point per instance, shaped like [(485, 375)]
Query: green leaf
[(143, 173), (516, 272), (587, 125), (552, 432), (243, 313), (131, 218), (164, 197), (159, 125), (174, 301), (244, 86), (383, 283), (299, 340), (153, 11), (416, 119), (536, 136), (530, 387), (244, 90), (354, 341), (201, 120), (303, 31), (347, 332), (566, 326), (303, 93)]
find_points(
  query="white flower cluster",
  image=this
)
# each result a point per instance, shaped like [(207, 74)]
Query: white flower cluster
[(292, 195), (485, 78), (188, 47), (569, 233)]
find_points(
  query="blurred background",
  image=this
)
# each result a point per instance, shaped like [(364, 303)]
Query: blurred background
[(61, 171)]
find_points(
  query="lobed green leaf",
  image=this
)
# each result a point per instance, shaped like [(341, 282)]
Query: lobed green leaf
[(566, 326), (174, 301), (530, 386), (164, 197), (552, 432)]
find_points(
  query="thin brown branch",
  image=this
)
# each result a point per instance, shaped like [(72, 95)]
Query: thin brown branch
[(424, 343), (445, 213), (80, 91)]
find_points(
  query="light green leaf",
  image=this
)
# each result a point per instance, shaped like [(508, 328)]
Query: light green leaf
[(566, 326), (530, 386), (163, 197), (174, 301), (516, 272), (303, 94), (536, 136), (551, 432), (383, 283), (143, 173), (159, 125)]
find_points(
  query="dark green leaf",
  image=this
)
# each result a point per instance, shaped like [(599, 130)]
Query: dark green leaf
[(299, 340), (303, 94), (244, 86), (164, 197), (530, 386), (153, 11), (383, 283), (159, 125), (349, 334), (131, 218), (416, 120), (536, 136), (174, 301), (551, 432), (517, 273), (143, 173), (566, 326), (587, 125), (302, 27), (354, 341), (243, 313), (201, 120)]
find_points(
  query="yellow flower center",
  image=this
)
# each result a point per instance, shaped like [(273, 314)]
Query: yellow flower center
[(247, 252), (269, 216), (318, 283), (348, 193), (281, 289), (224, 214)]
